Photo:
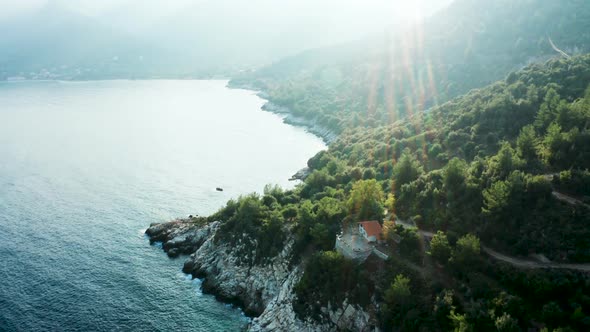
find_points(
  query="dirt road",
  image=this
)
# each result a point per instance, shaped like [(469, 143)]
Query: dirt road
[(525, 264)]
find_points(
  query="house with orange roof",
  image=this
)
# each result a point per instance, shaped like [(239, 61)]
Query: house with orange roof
[(371, 231)]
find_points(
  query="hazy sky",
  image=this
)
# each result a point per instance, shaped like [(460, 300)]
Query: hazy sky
[(164, 7), (89, 7), (352, 18), (207, 32)]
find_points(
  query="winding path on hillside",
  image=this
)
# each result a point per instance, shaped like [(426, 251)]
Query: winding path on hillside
[(568, 199), (564, 197), (522, 263), (526, 264)]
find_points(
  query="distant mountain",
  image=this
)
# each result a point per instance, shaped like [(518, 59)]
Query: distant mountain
[(206, 37), (55, 40)]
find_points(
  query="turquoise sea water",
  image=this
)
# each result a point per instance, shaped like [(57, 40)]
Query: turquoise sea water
[(85, 167)]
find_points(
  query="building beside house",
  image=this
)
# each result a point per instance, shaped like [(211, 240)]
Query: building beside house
[(358, 242), (371, 231), (351, 248)]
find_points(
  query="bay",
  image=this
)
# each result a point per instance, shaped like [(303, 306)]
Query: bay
[(85, 167)]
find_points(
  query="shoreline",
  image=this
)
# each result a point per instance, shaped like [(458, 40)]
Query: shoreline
[(177, 243), (72, 81), (263, 292), (265, 305), (326, 135)]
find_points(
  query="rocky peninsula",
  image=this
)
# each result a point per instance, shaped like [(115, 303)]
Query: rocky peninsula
[(265, 291)]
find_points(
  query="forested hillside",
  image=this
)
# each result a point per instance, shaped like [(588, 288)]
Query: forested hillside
[(380, 80), (493, 178), (483, 170)]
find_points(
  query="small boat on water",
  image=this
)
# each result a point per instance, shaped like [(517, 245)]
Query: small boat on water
[(219, 189)]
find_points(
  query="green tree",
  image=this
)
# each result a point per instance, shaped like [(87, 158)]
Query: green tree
[(306, 214), (459, 322), (328, 277), (321, 236), (443, 306), (270, 237), (366, 200), (506, 303), (550, 143), (440, 249), (390, 204), (505, 323), (454, 183), (496, 198), (317, 181), (548, 111), (289, 212), (409, 246), (467, 250), (503, 163), (328, 216), (389, 230), (399, 291), (406, 170), (526, 143), (454, 176), (306, 219), (434, 151), (398, 307)]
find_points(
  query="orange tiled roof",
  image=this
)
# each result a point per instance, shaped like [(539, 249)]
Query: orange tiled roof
[(372, 228)]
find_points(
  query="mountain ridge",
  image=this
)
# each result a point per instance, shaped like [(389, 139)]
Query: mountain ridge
[(446, 56)]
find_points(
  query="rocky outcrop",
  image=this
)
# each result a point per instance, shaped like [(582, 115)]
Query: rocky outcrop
[(272, 107), (179, 236), (301, 174), (351, 317), (265, 291)]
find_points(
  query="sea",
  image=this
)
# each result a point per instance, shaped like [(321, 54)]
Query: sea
[(86, 167)]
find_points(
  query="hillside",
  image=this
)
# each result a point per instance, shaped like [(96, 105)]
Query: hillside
[(380, 80), (494, 180), (467, 139), (54, 42)]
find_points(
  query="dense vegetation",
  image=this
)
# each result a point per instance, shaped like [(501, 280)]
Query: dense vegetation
[(480, 170), (503, 167)]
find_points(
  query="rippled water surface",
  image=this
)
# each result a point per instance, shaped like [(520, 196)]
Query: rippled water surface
[(85, 167)]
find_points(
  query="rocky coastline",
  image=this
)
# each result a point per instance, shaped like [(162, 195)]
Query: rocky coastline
[(326, 134), (264, 292)]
